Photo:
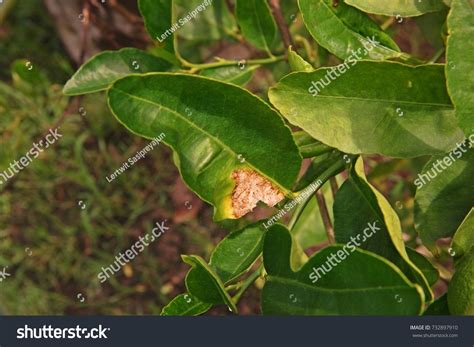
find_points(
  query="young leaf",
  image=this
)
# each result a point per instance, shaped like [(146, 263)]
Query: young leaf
[(363, 216), (102, 70), (343, 30), (297, 63), (203, 283), (257, 23), (225, 138), (158, 18), (363, 111), (445, 195), (232, 74), (464, 237), (403, 8), (361, 283), (236, 253), (185, 305), (459, 64), (461, 287)]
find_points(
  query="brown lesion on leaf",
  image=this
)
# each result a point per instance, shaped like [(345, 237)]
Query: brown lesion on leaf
[(250, 188)]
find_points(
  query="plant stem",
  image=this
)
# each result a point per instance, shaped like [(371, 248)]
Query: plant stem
[(334, 186), (282, 26), (221, 63), (247, 283), (323, 209)]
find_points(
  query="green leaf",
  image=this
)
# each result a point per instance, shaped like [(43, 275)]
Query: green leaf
[(158, 18), (464, 237), (203, 283), (438, 308), (297, 63), (257, 23), (218, 132), (445, 195), (236, 253), (461, 287), (211, 23), (460, 65), (185, 305), (232, 74), (363, 110), (429, 271), (343, 30), (365, 218), (361, 284), (403, 8), (102, 70)]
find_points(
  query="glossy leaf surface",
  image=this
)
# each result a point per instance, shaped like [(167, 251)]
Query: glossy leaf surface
[(403, 8)]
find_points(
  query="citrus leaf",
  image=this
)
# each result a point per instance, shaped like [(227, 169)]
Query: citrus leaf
[(362, 111), (232, 74), (403, 8), (425, 266), (361, 284), (185, 305), (363, 216), (464, 237), (438, 308), (461, 287), (297, 63), (257, 23), (237, 252), (343, 30), (445, 195), (212, 20), (203, 283), (459, 67), (224, 137), (102, 70), (158, 18)]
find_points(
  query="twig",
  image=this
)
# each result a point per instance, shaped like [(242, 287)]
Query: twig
[(85, 30), (334, 186), (323, 209), (130, 17), (282, 26)]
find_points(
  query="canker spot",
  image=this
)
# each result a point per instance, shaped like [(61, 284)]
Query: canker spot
[(250, 188)]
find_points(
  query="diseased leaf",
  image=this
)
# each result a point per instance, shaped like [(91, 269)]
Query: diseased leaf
[(403, 8), (461, 287), (257, 23), (464, 237), (362, 111), (203, 283), (102, 70), (232, 149), (232, 74), (360, 284), (459, 64), (158, 18), (236, 253), (365, 218), (185, 305), (445, 195), (297, 63), (343, 30)]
